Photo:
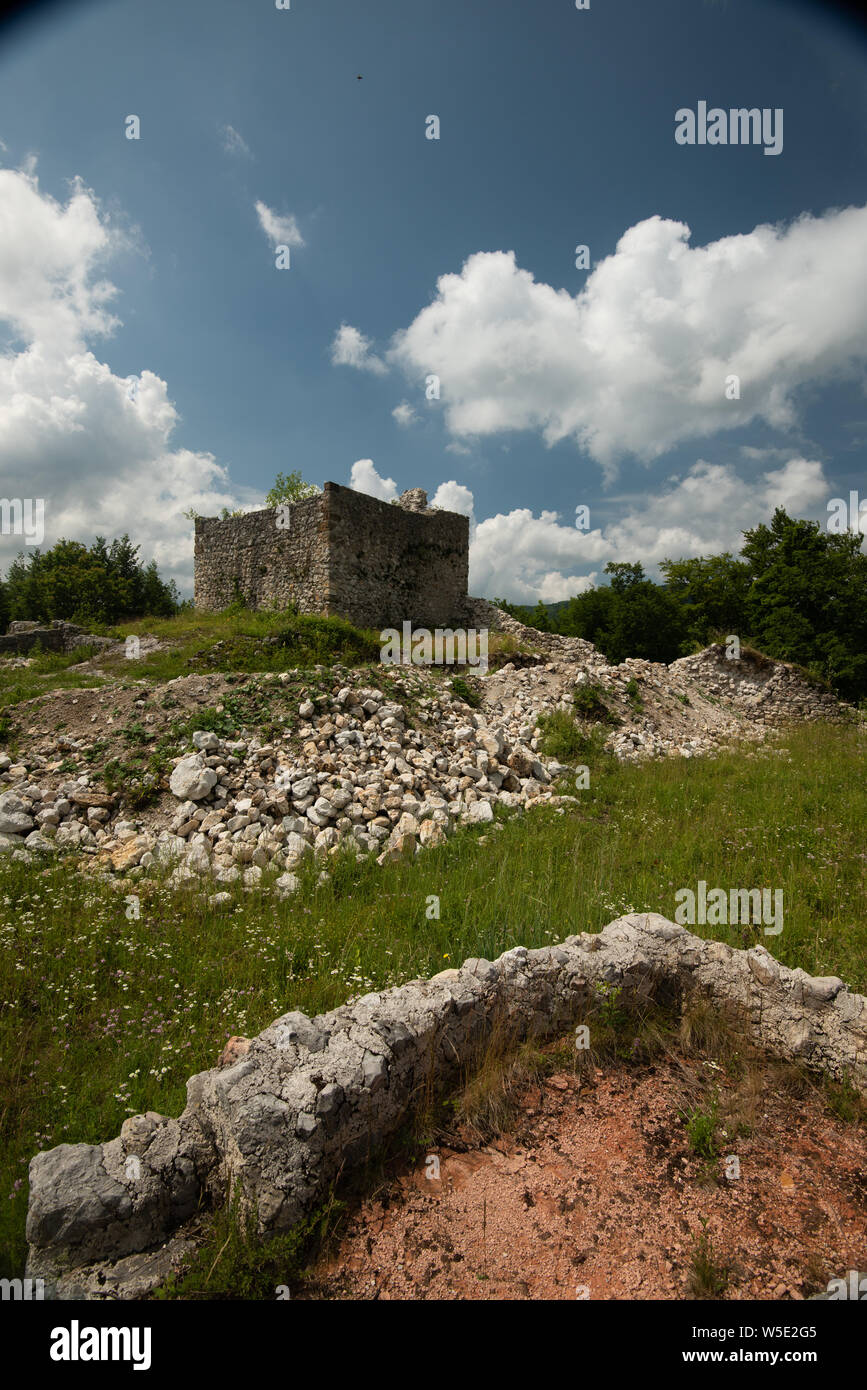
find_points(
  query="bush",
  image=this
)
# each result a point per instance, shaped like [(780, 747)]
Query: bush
[(588, 703), (565, 740), (465, 692), (98, 585)]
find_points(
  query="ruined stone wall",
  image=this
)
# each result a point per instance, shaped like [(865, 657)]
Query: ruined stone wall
[(389, 564), (310, 1098), (270, 567), (342, 553)]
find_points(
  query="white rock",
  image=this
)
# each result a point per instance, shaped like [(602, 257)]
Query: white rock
[(191, 779), (205, 740), (294, 848), (286, 885)]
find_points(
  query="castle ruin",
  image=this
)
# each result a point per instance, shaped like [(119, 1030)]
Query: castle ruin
[(342, 553)]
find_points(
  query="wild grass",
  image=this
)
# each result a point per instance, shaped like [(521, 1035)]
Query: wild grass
[(564, 740), (104, 1013)]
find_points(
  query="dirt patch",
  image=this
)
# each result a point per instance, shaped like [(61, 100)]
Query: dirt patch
[(598, 1193)]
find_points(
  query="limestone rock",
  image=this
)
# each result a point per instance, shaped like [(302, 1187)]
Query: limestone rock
[(192, 779)]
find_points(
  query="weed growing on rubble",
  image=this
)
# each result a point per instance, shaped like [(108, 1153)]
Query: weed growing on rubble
[(233, 1263), (708, 1276), (588, 703), (564, 739)]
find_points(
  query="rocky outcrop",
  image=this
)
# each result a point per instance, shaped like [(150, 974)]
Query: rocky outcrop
[(58, 636), (768, 692), (310, 1098)]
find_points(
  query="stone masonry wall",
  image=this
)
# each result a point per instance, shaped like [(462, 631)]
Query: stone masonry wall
[(269, 566), (390, 564), (343, 553)]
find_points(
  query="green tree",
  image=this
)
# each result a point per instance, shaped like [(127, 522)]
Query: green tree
[(632, 616), (808, 598), (290, 487), (101, 584), (713, 590)]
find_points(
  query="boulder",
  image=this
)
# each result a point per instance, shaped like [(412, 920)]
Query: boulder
[(191, 779)]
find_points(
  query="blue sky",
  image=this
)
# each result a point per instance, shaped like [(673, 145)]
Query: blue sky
[(154, 358)]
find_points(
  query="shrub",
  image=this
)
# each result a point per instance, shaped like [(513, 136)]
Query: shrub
[(465, 692), (588, 703), (565, 740)]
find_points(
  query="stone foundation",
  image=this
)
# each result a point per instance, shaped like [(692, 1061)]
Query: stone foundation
[(311, 1098)]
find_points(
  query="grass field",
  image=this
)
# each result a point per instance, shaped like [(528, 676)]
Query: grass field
[(104, 1013)]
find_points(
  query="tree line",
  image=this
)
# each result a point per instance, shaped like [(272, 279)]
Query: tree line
[(106, 584), (795, 592), (99, 584)]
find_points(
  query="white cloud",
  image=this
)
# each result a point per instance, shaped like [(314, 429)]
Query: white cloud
[(456, 448), (637, 360), (48, 258), (96, 446), (454, 497), (405, 414), (364, 478), (748, 451), (234, 143), (352, 349), (523, 557), (706, 512), (280, 229)]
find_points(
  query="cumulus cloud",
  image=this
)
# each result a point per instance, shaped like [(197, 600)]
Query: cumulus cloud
[(637, 361), (404, 414), (364, 478), (454, 497), (524, 557), (48, 260), (234, 143), (280, 229), (95, 446), (352, 349), (706, 512)]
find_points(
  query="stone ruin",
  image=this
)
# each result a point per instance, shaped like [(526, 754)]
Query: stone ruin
[(58, 636), (283, 1115), (340, 553)]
